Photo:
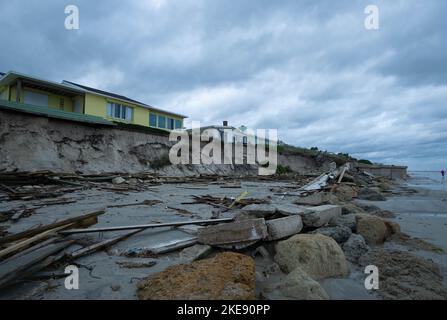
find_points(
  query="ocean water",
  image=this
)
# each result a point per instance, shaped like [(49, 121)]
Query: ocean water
[(427, 179)]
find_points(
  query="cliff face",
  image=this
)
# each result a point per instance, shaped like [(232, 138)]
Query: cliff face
[(33, 143)]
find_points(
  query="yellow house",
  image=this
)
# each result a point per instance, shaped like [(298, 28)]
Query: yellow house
[(72, 97)]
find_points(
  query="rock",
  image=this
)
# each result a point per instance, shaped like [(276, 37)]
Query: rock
[(115, 287), (383, 214), (355, 247), (227, 276), (350, 207), (339, 233), (392, 227), (259, 210), (283, 227), (118, 180), (318, 255), (346, 192), (315, 199), (406, 276), (347, 220), (320, 216), (370, 194), (271, 269), (372, 228), (296, 286), (196, 252)]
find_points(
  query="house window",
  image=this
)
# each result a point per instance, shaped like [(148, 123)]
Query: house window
[(152, 120), (118, 111), (162, 122), (170, 124), (61, 103), (178, 124), (35, 98)]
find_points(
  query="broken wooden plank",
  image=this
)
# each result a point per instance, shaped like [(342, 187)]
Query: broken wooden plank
[(100, 245), (233, 233), (145, 203), (32, 232), (342, 174), (172, 245), (145, 226), (15, 248), (16, 267)]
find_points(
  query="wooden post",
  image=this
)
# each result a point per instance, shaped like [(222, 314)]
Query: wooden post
[(18, 90)]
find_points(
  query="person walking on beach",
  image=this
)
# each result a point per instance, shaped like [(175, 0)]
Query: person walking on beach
[(443, 174)]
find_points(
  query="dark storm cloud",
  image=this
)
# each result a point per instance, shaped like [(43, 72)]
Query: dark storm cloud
[(308, 68)]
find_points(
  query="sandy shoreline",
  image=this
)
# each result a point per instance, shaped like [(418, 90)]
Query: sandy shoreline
[(421, 214)]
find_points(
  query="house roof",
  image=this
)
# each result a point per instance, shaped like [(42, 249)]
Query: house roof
[(11, 76), (120, 97), (53, 113), (105, 93)]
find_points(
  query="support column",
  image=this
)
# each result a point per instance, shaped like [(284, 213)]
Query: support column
[(18, 90)]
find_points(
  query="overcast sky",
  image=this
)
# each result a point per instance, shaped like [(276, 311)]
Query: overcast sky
[(308, 68)]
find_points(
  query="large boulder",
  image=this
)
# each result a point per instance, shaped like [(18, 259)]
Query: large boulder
[(347, 220), (355, 247), (297, 285), (346, 192), (370, 194), (318, 255), (338, 233), (227, 276), (372, 228)]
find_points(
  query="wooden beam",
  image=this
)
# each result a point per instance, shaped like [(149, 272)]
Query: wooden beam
[(15, 248), (37, 230), (145, 226), (16, 267), (18, 90), (100, 245)]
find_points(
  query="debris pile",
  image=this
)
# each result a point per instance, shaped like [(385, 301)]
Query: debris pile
[(300, 231)]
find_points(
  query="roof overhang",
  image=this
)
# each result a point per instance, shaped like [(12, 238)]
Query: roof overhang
[(67, 83), (12, 77)]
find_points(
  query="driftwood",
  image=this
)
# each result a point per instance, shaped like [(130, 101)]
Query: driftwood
[(18, 267), (145, 226), (15, 248), (144, 203), (38, 230), (100, 245)]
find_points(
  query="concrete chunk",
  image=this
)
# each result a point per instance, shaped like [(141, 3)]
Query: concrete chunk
[(320, 216), (259, 210), (290, 209), (195, 252), (314, 199), (284, 227), (233, 233)]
